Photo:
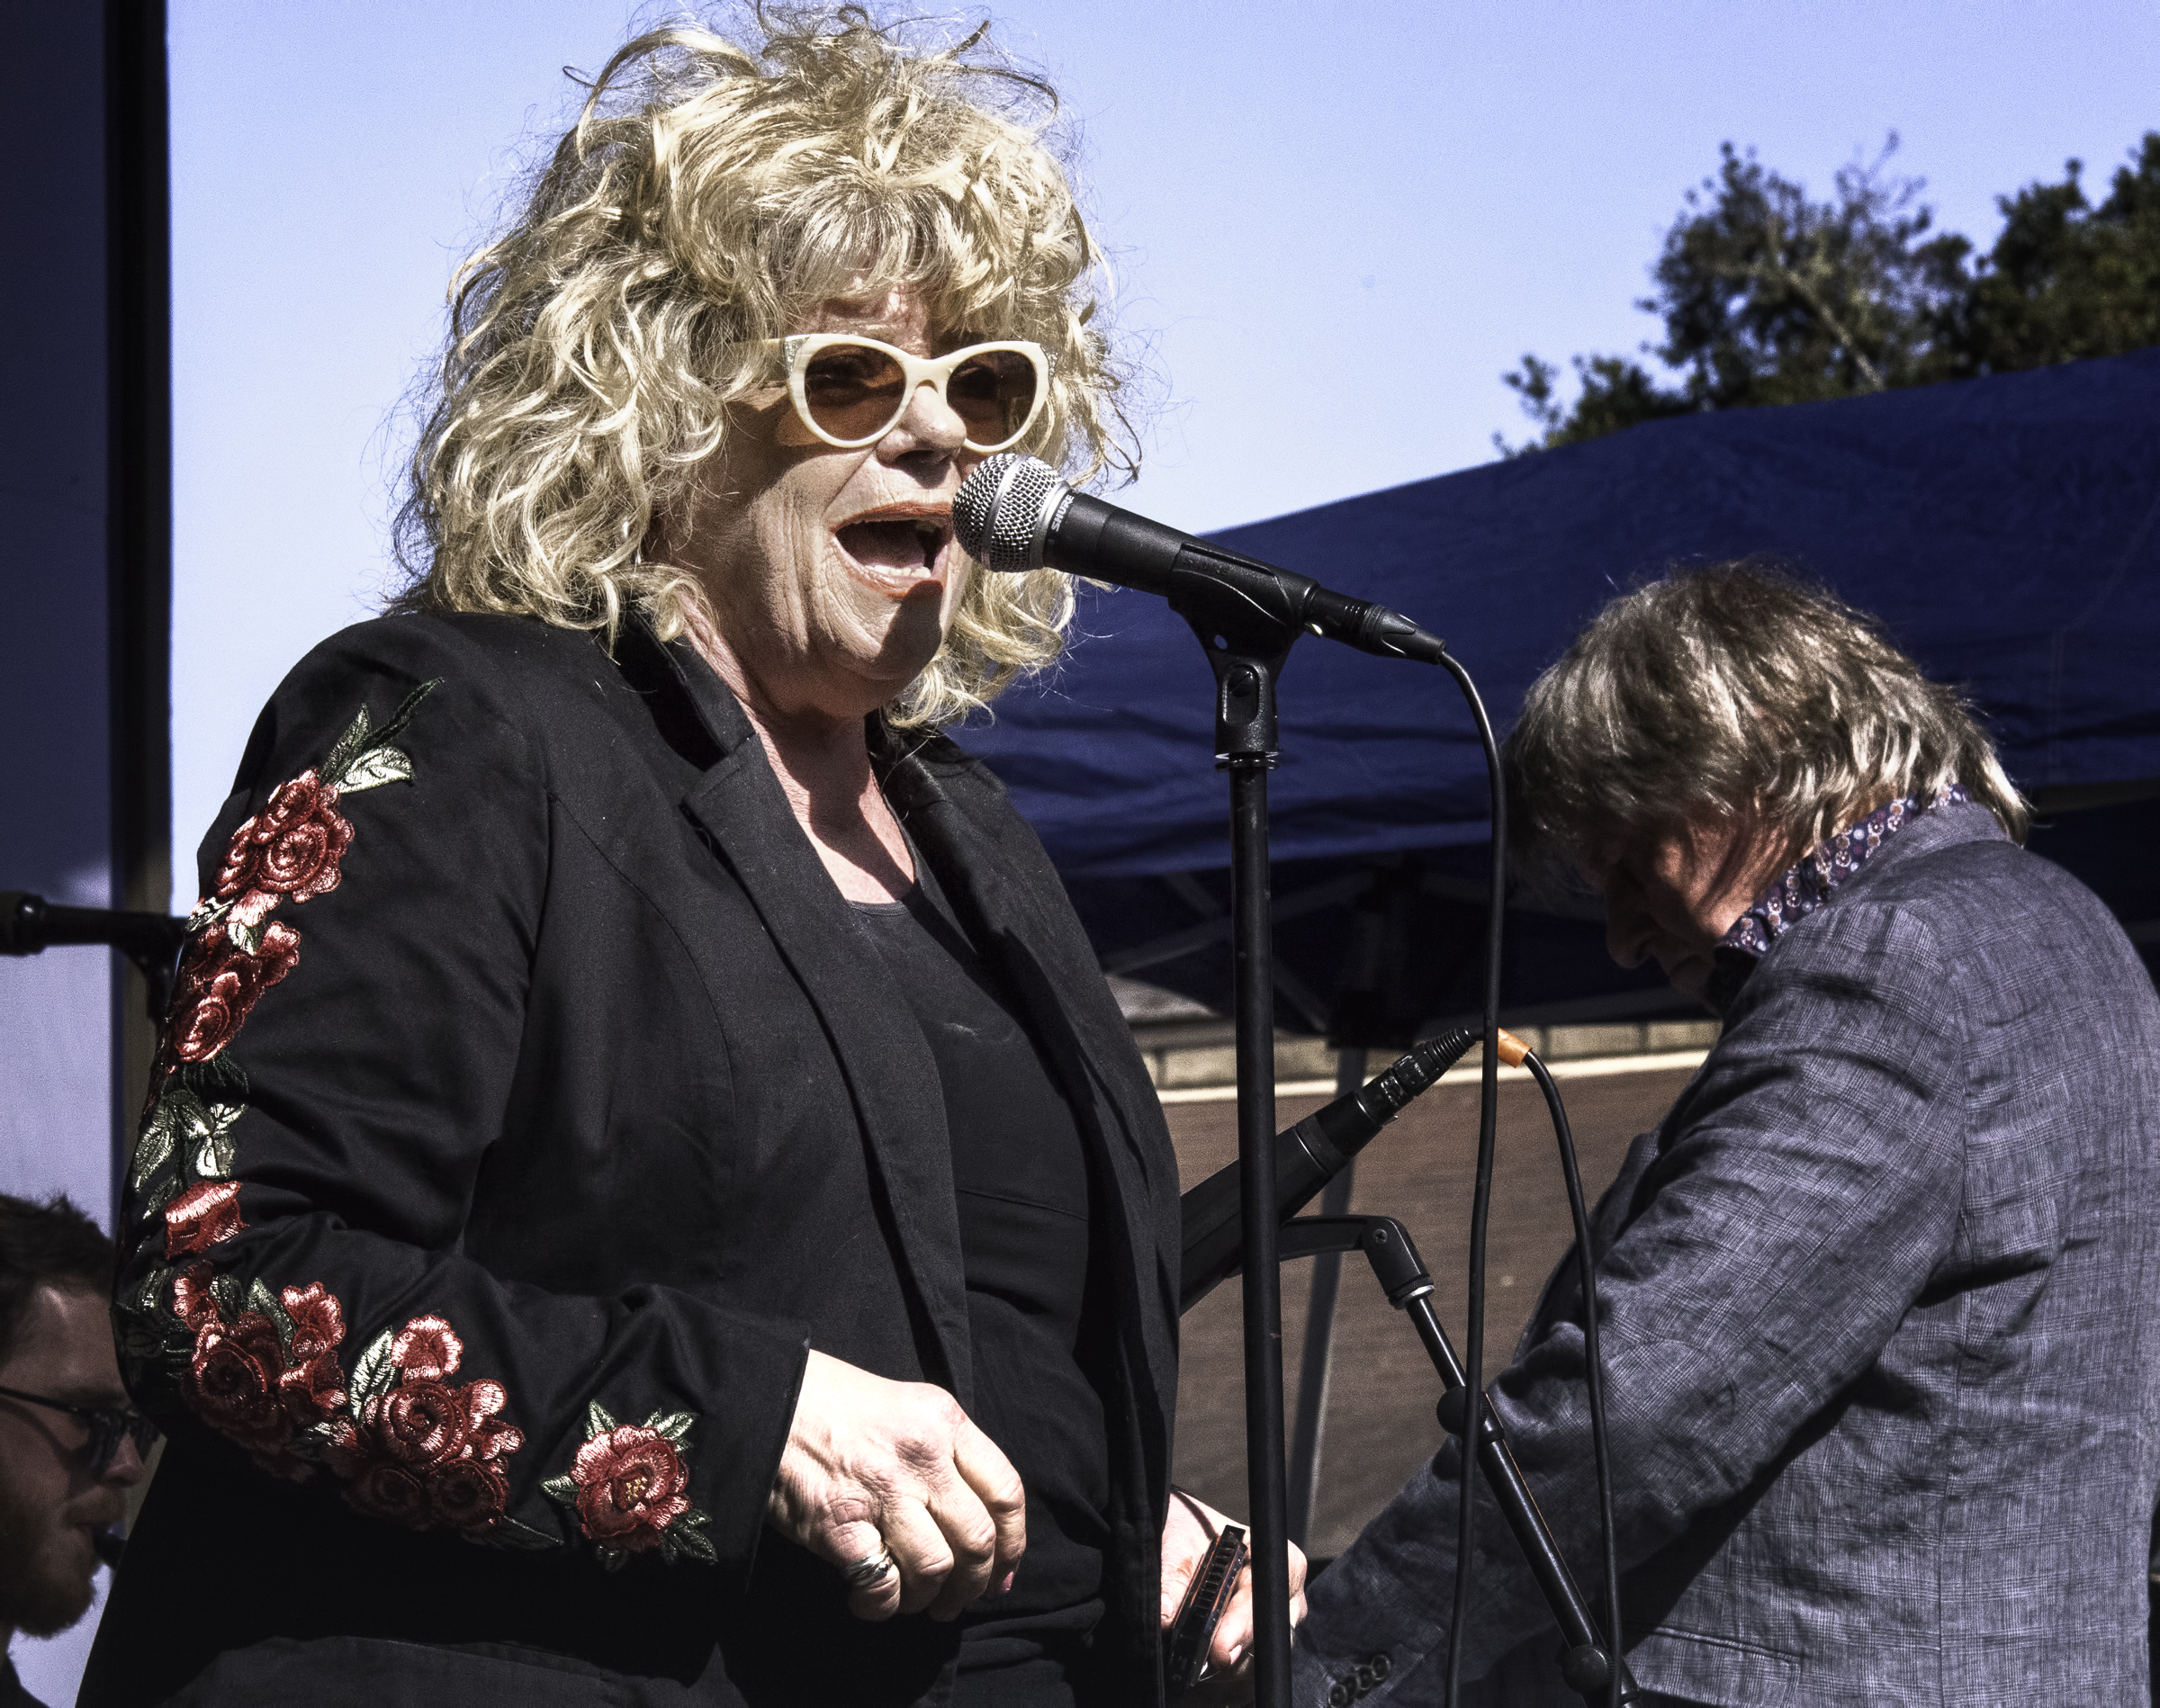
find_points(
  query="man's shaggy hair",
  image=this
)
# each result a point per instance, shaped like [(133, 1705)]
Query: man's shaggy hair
[(1728, 691), (48, 1245), (711, 195)]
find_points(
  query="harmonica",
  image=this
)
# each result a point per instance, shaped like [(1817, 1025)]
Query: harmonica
[(1185, 1655)]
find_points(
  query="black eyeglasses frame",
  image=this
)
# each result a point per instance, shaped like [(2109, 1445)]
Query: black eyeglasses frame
[(109, 1426)]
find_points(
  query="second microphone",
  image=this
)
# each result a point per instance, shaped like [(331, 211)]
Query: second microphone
[(1307, 1157)]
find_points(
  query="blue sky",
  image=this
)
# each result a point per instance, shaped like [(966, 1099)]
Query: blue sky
[(1332, 229)]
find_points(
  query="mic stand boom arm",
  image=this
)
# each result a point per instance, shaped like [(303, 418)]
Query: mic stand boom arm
[(30, 924), (1584, 1659)]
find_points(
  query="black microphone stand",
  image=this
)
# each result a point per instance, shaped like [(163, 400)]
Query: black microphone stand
[(1247, 647), (1585, 1661)]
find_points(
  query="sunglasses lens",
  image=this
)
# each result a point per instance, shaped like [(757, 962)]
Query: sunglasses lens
[(853, 392), (108, 1429), (995, 394)]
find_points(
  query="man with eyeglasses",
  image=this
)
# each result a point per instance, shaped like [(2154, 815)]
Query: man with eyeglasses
[(70, 1445)]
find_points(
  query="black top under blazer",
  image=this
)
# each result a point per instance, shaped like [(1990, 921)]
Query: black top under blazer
[(528, 1107)]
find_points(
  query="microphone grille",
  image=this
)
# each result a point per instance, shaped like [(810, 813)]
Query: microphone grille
[(1000, 512)]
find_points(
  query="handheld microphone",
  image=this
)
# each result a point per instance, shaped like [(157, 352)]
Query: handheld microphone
[(1014, 514), (1307, 1157)]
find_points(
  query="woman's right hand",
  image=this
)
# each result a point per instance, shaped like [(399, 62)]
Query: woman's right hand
[(871, 1463)]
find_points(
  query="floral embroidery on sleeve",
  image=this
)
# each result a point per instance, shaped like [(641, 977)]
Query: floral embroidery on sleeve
[(627, 1487), (219, 981), (262, 1367), (181, 1170), (206, 1214), (423, 1453), (289, 851)]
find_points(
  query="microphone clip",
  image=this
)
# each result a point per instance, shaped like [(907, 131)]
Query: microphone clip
[(1246, 652)]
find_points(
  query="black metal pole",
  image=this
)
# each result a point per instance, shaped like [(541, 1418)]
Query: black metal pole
[(1247, 653), (1254, 952), (1310, 1429), (139, 518)]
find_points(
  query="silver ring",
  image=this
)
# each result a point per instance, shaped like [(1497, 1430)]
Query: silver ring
[(872, 1569)]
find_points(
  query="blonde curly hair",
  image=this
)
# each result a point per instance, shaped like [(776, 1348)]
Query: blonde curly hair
[(709, 195)]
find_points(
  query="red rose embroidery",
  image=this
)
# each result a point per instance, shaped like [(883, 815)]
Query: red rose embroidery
[(427, 1453), (232, 1383), (311, 1390), (192, 1302), (220, 983), (420, 1452), (467, 1494), (426, 1348), (490, 1436), (317, 1320), (384, 1489), (421, 1423), (630, 1484), (291, 846), (205, 1215)]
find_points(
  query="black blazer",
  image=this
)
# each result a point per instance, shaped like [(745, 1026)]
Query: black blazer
[(528, 1107)]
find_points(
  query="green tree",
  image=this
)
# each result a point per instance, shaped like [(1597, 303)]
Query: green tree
[(1769, 298), (2065, 279)]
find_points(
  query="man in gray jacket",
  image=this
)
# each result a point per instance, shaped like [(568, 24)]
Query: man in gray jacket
[(1877, 1300)]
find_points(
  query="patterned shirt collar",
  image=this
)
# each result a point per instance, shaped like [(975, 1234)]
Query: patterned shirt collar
[(1807, 884)]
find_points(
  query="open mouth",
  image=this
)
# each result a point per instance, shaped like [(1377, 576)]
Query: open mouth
[(900, 551)]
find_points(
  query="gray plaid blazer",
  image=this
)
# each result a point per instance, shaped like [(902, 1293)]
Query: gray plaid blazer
[(1879, 1323)]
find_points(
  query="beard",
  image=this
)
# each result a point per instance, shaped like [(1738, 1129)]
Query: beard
[(43, 1588)]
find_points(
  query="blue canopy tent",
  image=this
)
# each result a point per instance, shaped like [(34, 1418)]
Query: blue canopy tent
[(2006, 530)]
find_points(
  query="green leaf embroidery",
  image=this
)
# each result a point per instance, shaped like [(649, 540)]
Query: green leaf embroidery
[(155, 1143), (374, 1373), (208, 913), (156, 1345), (384, 765), (202, 1134), (407, 707), (364, 757), (213, 1159), (686, 1537), (219, 1080), (150, 1295), (226, 1291), (185, 1119), (675, 1425), (247, 938), (350, 746), (261, 1299), (140, 1338), (508, 1533), (560, 1489), (598, 1422), (151, 1205)]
